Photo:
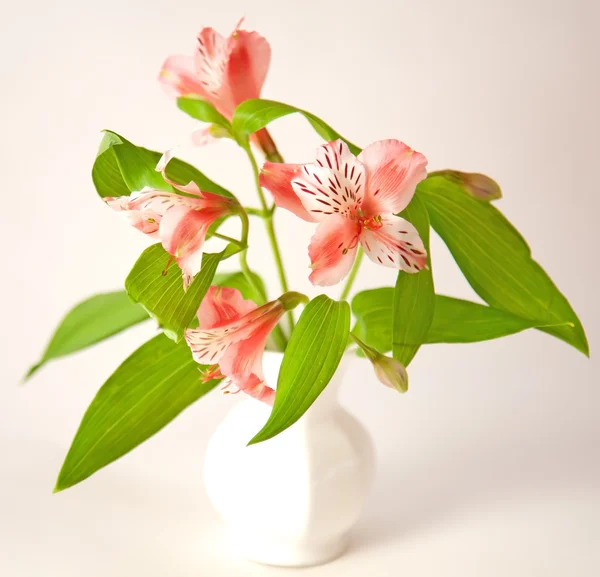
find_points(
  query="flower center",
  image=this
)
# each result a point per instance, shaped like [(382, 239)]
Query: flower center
[(370, 223)]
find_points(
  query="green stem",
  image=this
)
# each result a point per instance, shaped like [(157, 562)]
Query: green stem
[(278, 334), (353, 273), (256, 212), (268, 219), (228, 238)]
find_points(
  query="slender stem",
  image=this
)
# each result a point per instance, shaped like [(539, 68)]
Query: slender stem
[(353, 273), (256, 212), (227, 238), (268, 219), (278, 334)]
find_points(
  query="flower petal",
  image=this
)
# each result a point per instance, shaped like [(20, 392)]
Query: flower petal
[(178, 76), (277, 179), (393, 172), (221, 306), (242, 362), (247, 66), (396, 244), (332, 250), (182, 232), (144, 209), (334, 184), (205, 199), (209, 344)]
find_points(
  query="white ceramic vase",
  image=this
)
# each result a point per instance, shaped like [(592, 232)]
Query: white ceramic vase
[(291, 500)]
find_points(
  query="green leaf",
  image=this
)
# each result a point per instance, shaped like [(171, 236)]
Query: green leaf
[(460, 321), (135, 165), (497, 262), (162, 295), (413, 307), (454, 320), (110, 180), (311, 358), (202, 110), (373, 311), (143, 395), (252, 115), (90, 322), (238, 280)]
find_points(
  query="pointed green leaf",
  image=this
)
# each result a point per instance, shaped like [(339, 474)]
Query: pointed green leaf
[(454, 320), (252, 115), (90, 322), (460, 321), (116, 171), (413, 306), (496, 260), (143, 395), (135, 165), (162, 295), (311, 358), (202, 110)]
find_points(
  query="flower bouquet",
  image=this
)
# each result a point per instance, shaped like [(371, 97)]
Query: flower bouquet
[(377, 202)]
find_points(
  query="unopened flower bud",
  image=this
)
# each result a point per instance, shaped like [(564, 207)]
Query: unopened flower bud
[(391, 373)]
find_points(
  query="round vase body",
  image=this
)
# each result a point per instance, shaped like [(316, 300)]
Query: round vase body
[(291, 500)]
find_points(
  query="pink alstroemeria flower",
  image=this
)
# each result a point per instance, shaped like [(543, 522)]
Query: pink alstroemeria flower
[(179, 222), (224, 71), (233, 333), (354, 200)]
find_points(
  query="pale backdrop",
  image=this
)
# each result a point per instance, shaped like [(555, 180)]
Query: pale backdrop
[(489, 466)]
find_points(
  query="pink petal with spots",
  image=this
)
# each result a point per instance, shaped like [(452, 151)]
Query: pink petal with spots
[(237, 342), (242, 363), (145, 209), (178, 76), (334, 184), (208, 344), (212, 55), (393, 172), (332, 250), (277, 179), (396, 244)]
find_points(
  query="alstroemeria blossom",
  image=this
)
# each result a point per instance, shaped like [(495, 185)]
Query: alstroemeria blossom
[(232, 334), (224, 71), (354, 200), (179, 222)]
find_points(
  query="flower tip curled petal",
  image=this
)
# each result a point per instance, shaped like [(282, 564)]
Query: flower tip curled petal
[(250, 384), (391, 372), (478, 185), (393, 172), (277, 179)]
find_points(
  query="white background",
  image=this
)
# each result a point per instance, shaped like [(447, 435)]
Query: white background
[(490, 464)]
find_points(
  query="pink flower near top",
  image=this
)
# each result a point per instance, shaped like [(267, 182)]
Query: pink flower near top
[(232, 334), (354, 200), (179, 222), (224, 71)]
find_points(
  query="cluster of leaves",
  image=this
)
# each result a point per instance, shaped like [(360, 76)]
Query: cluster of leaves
[(160, 379)]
